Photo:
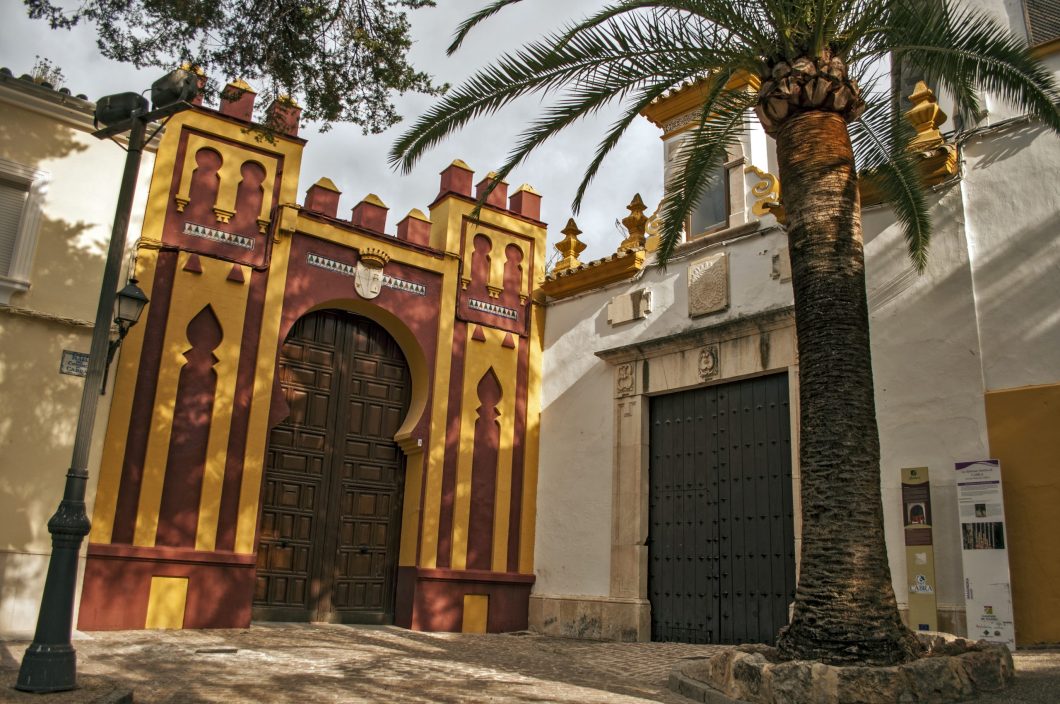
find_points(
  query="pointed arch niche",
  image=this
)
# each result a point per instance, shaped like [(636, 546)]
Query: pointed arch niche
[(484, 473), (192, 415)]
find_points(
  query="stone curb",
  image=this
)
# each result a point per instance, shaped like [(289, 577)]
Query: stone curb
[(696, 690), (952, 669)]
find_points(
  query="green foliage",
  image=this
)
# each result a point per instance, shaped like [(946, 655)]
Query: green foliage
[(633, 51), (341, 59)]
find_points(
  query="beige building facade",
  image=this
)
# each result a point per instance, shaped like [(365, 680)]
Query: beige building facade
[(58, 191)]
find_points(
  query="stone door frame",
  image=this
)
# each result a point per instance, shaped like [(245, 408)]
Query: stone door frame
[(756, 345)]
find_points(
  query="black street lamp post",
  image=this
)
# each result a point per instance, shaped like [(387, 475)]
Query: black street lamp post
[(50, 662)]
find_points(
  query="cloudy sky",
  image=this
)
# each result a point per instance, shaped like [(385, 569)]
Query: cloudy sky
[(357, 163)]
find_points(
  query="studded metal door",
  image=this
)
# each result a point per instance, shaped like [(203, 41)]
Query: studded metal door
[(331, 505), (721, 540)]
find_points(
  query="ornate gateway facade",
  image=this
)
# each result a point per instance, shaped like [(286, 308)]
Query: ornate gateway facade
[(317, 420)]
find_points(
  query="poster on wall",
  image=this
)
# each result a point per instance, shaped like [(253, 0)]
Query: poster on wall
[(919, 552), (984, 552)]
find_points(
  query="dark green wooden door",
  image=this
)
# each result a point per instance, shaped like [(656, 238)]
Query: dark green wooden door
[(721, 541)]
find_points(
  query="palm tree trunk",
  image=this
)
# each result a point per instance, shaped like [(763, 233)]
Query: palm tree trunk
[(845, 610)]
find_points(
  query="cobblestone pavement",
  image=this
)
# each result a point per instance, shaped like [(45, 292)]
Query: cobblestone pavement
[(330, 663)]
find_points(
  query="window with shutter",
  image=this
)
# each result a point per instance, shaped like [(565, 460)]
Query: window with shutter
[(12, 203), (1043, 21), (21, 194)]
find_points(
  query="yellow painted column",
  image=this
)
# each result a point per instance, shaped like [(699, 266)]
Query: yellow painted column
[(478, 359), (258, 424), (533, 435), (128, 367), (432, 500)]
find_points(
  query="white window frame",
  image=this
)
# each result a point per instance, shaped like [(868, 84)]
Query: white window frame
[(17, 277)]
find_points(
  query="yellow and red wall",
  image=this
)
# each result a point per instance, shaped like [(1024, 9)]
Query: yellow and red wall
[(225, 259)]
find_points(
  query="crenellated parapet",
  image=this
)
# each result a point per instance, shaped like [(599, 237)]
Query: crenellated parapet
[(319, 416)]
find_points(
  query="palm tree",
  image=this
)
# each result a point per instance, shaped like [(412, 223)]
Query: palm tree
[(812, 62)]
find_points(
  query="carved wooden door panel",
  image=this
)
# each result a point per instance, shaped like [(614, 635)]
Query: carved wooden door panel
[(328, 543), (369, 477)]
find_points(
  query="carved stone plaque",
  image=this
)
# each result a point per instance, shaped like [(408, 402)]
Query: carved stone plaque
[(624, 379), (708, 285), (709, 363)]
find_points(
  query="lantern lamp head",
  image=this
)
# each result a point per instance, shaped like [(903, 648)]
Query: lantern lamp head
[(129, 305)]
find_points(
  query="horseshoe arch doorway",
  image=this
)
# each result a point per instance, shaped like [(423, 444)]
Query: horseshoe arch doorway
[(334, 477)]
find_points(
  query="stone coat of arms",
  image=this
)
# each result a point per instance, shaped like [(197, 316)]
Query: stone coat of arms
[(368, 276)]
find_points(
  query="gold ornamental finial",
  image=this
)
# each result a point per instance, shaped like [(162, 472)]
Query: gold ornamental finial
[(925, 116), (569, 247), (635, 223)]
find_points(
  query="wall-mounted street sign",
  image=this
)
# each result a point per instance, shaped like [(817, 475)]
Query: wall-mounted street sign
[(919, 551), (74, 363), (984, 552)]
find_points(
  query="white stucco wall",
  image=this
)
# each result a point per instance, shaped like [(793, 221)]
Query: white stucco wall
[(573, 540), (926, 370), (1013, 217)]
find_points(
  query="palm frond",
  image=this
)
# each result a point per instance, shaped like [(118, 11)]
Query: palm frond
[(474, 20), (967, 50), (613, 136), (725, 18), (634, 47), (593, 91), (880, 140)]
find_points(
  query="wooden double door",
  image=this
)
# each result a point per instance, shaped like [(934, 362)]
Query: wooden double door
[(331, 505), (721, 543)]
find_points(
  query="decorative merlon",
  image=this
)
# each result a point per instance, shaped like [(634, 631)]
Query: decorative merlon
[(375, 200), (938, 160), (569, 247), (241, 85), (285, 99), (417, 214), (527, 188), (635, 224), (327, 184)]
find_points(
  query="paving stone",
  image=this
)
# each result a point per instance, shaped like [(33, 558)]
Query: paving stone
[(328, 664), (333, 663)]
